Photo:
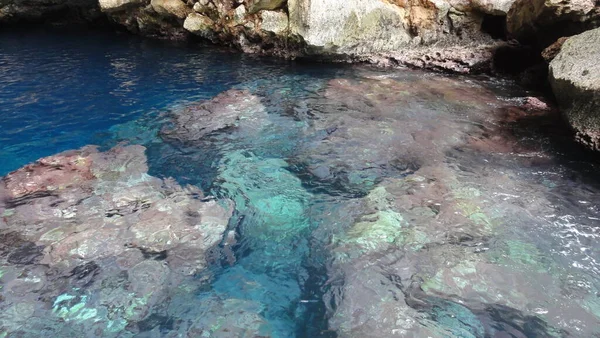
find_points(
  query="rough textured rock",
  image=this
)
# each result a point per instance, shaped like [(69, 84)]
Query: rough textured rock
[(575, 80), (176, 8), (224, 111), (416, 242), (93, 238), (438, 34), (118, 5), (15, 11), (493, 7), (544, 21)]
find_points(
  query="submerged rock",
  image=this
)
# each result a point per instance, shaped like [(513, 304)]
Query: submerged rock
[(575, 80), (92, 236), (227, 110)]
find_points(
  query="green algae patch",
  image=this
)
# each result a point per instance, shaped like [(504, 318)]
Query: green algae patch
[(73, 308), (520, 255), (264, 188), (386, 228)]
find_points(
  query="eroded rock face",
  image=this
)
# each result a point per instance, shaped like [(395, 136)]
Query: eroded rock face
[(95, 239), (575, 80), (548, 20), (436, 34)]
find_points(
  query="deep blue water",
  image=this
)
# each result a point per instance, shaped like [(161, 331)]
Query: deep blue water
[(336, 231), (63, 90)]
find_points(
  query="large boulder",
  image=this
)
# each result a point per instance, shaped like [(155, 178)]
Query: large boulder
[(544, 21), (575, 80), (493, 7), (258, 5), (424, 33)]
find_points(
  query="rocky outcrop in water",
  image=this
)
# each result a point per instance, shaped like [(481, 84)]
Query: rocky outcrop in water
[(426, 237), (451, 35), (575, 80), (91, 239)]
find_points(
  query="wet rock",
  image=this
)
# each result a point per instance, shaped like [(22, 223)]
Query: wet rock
[(227, 110), (258, 5), (86, 226), (341, 152), (551, 51), (575, 80)]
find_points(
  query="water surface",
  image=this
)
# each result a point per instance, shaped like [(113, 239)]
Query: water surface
[(368, 203)]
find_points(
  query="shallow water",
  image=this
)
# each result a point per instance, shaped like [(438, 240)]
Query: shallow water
[(368, 203)]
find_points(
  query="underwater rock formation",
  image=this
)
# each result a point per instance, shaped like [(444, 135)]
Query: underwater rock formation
[(91, 239), (543, 21), (575, 80), (425, 237)]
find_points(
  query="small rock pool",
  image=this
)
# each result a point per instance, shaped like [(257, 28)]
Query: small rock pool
[(153, 190)]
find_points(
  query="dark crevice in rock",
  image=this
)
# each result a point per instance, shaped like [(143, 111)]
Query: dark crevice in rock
[(494, 26)]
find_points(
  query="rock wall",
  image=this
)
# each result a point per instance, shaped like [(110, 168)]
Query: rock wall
[(437, 34), (464, 36), (575, 79)]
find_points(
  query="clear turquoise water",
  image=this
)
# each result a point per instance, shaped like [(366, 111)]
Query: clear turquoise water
[(298, 256)]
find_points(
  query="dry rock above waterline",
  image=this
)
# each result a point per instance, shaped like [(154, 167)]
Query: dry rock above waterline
[(95, 239), (544, 21), (575, 80)]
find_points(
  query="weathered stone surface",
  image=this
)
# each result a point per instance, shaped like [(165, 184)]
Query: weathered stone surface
[(493, 7), (440, 31), (200, 25), (119, 5), (175, 8), (550, 52), (104, 240), (575, 80), (547, 20), (258, 5)]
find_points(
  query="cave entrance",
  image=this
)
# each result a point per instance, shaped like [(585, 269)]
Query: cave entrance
[(494, 26)]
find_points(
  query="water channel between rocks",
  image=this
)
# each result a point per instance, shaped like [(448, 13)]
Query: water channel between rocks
[(228, 196)]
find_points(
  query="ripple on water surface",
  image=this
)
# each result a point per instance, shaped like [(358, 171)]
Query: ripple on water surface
[(346, 201)]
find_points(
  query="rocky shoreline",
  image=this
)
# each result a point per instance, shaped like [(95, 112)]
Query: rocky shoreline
[(514, 37)]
